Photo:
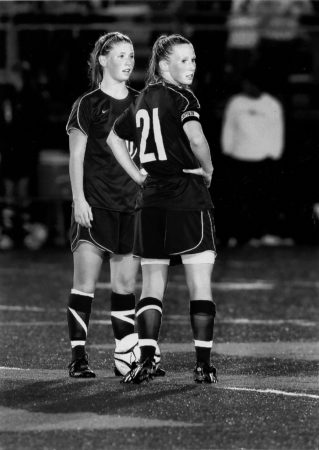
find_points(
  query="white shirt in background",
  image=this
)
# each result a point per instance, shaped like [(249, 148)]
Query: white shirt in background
[(253, 128)]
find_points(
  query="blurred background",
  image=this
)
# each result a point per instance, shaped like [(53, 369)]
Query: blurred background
[(263, 200)]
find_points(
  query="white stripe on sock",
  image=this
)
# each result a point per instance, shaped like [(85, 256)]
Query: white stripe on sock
[(206, 344), (149, 342), (78, 318), (85, 294), (76, 343), (145, 308), (121, 315)]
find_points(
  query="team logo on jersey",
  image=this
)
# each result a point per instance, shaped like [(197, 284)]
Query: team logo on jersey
[(189, 114), (131, 148)]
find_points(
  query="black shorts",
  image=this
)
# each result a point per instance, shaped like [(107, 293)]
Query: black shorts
[(111, 231), (162, 234)]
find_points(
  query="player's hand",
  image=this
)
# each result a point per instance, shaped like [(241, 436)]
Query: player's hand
[(82, 213), (143, 176), (200, 171)]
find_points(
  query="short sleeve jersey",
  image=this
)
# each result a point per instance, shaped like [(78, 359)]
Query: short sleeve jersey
[(155, 124), (106, 185)]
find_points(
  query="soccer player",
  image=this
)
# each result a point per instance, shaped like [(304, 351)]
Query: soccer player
[(103, 198), (175, 209)]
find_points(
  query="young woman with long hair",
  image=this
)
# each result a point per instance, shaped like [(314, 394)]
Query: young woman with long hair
[(103, 198), (175, 217)]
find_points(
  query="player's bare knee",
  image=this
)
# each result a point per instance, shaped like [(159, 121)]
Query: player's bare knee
[(85, 287), (123, 285), (199, 291)]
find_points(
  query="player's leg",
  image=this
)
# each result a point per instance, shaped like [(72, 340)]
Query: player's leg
[(87, 261), (198, 272), (124, 269), (149, 318)]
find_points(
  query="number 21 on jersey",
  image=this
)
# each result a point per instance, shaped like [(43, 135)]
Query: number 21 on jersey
[(143, 119)]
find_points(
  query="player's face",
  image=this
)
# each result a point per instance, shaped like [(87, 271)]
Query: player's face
[(120, 61), (182, 64)]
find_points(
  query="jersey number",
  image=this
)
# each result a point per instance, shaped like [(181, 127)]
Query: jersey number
[(143, 115)]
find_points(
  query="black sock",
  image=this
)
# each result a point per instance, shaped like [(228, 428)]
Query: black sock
[(78, 315), (122, 314), (202, 314), (148, 319)]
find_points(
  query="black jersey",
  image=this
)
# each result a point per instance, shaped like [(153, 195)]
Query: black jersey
[(155, 123), (106, 184)]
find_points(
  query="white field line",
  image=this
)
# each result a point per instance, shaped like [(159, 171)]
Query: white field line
[(272, 391), (219, 386), (39, 323), (221, 286), (180, 319)]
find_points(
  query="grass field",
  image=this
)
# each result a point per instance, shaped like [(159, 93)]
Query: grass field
[(266, 350)]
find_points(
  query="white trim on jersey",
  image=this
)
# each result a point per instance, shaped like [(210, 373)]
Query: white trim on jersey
[(77, 113), (185, 97)]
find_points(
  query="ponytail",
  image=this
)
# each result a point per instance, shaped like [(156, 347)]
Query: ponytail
[(102, 47), (162, 48)]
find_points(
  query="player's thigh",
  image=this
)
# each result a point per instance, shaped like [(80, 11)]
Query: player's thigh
[(124, 269), (154, 280), (87, 260), (198, 279)]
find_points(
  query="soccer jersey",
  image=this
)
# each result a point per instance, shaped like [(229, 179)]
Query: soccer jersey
[(106, 184), (155, 123)]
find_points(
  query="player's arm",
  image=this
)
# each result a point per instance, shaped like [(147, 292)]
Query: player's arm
[(201, 150), (121, 153), (82, 210)]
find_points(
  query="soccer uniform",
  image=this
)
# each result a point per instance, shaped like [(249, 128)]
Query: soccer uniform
[(174, 208), (109, 191)]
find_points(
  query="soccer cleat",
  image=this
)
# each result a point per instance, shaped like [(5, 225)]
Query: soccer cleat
[(79, 368), (159, 372), (205, 373), (140, 372), (117, 373)]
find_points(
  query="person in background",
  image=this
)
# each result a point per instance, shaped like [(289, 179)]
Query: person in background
[(103, 198), (21, 130), (252, 142), (175, 211)]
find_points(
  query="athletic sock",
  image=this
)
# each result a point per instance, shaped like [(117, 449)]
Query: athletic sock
[(148, 318), (202, 314), (78, 315), (122, 314)]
